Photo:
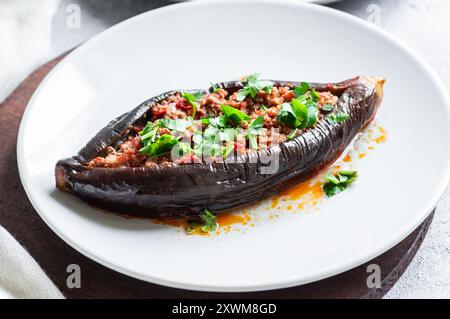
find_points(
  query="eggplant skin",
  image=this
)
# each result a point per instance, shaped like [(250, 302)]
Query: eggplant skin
[(187, 189)]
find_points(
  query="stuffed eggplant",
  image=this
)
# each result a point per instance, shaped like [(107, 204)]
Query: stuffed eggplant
[(182, 152)]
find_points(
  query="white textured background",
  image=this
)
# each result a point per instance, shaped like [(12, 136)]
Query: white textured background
[(423, 24)]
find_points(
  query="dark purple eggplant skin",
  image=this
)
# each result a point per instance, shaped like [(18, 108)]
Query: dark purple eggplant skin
[(185, 190)]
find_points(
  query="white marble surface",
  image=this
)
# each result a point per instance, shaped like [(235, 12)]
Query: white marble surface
[(423, 24)]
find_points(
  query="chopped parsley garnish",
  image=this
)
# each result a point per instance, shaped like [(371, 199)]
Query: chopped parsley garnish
[(256, 125), (339, 182), (218, 122), (308, 112), (253, 87), (227, 135), (192, 225), (327, 107), (337, 117), (192, 99), (205, 120), (292, 134), (302, 112), (182, 149), (178, 125), (150, 133), (221, 131), (207, 225), (253, 130), (287, 115), (209, 143), (228, 149), (314, 95), (233, 116), (301, 89), (155, 145), (163, 145), (209, 222)]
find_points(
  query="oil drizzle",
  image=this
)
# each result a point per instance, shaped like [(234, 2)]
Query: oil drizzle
[(299, 198)]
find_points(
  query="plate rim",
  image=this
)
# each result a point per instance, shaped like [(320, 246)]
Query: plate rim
[(262, 285)]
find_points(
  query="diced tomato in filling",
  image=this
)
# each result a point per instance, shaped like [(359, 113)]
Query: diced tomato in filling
[(183, 104), (176, 107), (327, 98), (127, 156), (159, 112)]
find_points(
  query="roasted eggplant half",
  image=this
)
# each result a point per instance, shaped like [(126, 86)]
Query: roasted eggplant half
[(182, 152)]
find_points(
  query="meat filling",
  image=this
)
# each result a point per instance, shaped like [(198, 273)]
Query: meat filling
[(265, 106)]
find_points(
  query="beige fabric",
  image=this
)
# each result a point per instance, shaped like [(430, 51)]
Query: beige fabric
[(20, 275)]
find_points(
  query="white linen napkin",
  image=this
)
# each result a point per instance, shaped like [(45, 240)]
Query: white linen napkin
[(20, 275), (25, 39)]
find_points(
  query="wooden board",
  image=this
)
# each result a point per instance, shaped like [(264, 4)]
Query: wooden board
[(54, 255)]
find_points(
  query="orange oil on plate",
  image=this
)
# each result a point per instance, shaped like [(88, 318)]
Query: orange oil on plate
[(303, 196), (224, 221)]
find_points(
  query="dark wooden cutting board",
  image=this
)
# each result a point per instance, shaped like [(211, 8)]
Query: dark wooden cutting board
[(54, 255)]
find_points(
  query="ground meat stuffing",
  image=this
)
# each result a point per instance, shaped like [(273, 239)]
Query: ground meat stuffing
[(127, 155), (176, 107)]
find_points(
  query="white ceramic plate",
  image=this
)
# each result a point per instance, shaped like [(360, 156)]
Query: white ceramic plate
[(175, 47)]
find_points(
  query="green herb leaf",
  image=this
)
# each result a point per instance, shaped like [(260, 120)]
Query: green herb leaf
[(211, 133), (208, 148), (179, 125), (191, 226), (242, 94), (314, 95), (205, 120), (312, 115), (330, 178), (327, 107), (292, 134), (163, 145), (182, 149), (210, 142), (148, 127), (302, 112), (253, 141), (233, 115), (197, 137), (228, 134), (256, 125), (209, 222), (253, 131), (218, 122), (253, 86), (339, 182), (301, 89), (348, 173), (335, 118), (287, 116), (149, 135), (228, 149), (192, 99)]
